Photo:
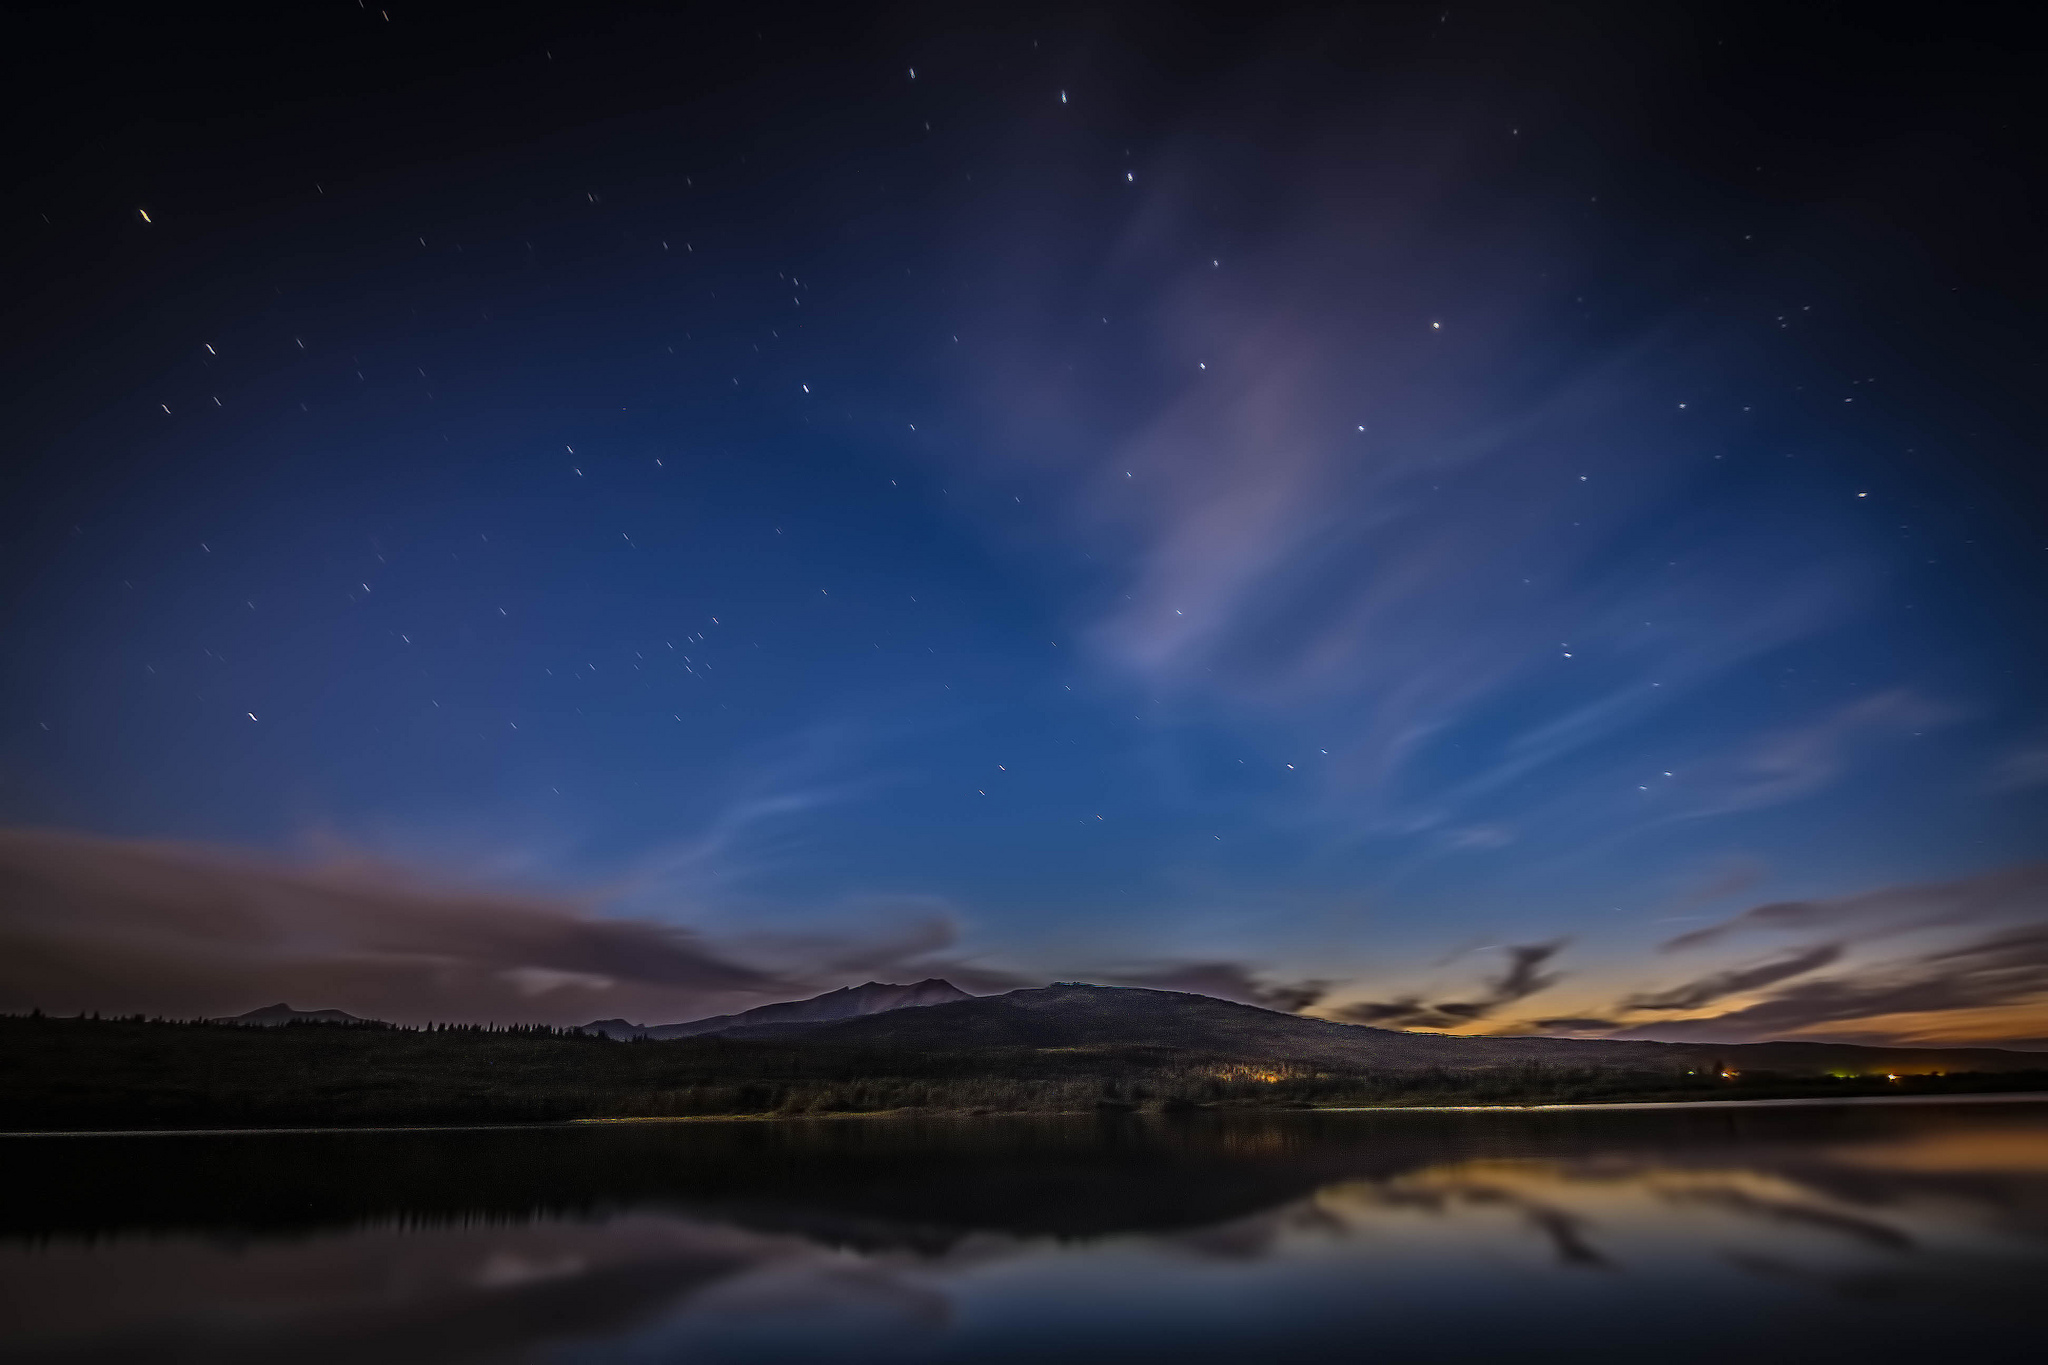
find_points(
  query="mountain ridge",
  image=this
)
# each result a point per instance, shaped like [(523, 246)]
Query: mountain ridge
[(933, 1015), (1072, 1015), (270, 1016), (848, 1002)]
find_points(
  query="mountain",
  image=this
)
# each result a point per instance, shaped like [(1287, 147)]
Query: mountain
[(1072, 1016), (848, 1002), (272, 1015)]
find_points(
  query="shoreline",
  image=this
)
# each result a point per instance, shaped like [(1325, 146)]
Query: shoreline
[(1804, 1102), (1809, 1102)]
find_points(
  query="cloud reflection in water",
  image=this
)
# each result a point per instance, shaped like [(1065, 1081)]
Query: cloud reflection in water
[(1887, 1230)]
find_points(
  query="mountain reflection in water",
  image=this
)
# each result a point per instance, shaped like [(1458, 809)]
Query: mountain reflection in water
[(1832, 1233)]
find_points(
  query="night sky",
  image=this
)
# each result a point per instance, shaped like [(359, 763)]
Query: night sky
[(1495, 519)]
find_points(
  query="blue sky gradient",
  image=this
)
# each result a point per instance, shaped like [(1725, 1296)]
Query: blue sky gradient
[(1334, 500)]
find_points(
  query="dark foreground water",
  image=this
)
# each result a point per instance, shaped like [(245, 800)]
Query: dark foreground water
[(1817, 1234)]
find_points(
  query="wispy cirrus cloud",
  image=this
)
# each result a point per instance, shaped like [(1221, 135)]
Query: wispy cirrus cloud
[(762, 819), (1367, 502), (1225, 981), (2023, 769), (2006, 893), (1705, 990), (1789, 764)]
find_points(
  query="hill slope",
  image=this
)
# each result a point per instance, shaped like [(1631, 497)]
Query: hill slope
[(78, 1073), (848, 1002), (1071, 1016), (273, 1015)]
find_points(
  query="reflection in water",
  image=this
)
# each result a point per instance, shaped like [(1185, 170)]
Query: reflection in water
[(1780, 1234)]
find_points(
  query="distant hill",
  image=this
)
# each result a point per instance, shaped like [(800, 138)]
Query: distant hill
[(935, 1016), (271, 1015), (848, 1002), (1086, 1017), (1065, 1050)]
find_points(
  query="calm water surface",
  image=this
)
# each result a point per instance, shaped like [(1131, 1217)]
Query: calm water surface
[(1854, 1233)]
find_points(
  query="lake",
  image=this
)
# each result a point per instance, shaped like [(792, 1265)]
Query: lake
[(1747, 1234)]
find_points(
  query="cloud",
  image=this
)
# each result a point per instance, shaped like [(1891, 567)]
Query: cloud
[(1370, 498), (2007, 893), (1574, 1024), (1730, 877), (1227, 981), (1991, 988), (758, 825), (2022, 770), (1522, 977), (2002, 969), (1707, 989), (1478, 836), (861, 937), (1793, 763), (91, 923)]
